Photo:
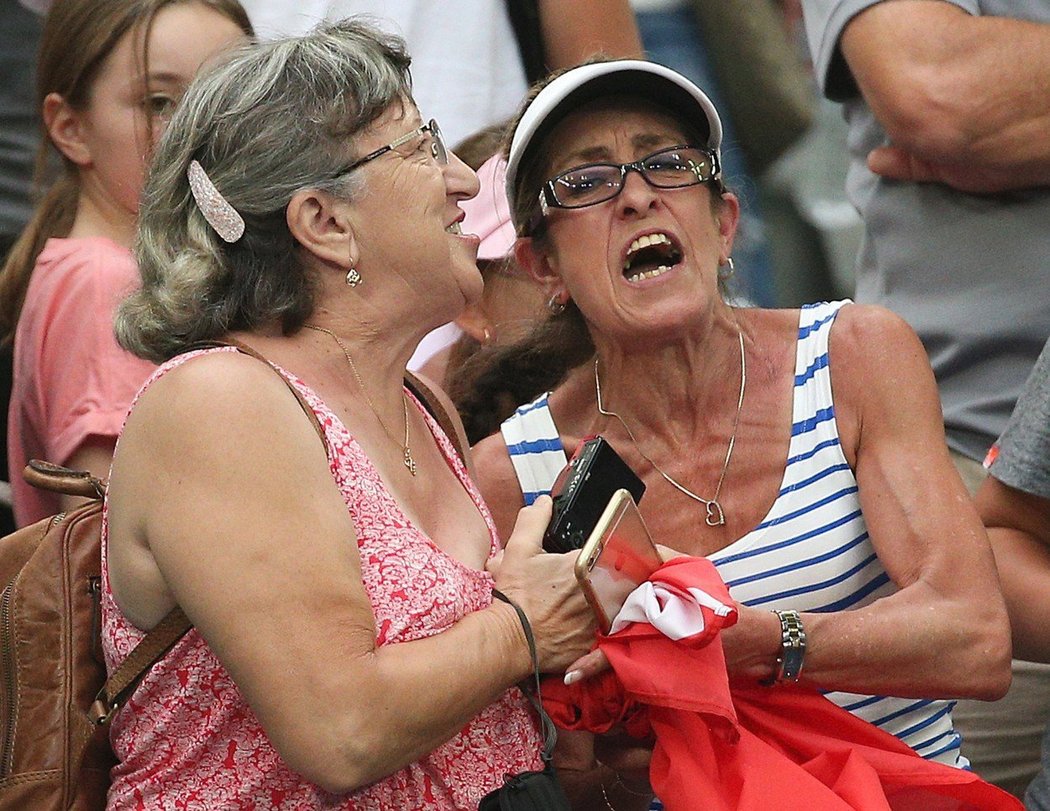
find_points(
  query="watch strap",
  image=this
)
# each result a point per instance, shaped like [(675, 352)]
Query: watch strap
[(793, 646)]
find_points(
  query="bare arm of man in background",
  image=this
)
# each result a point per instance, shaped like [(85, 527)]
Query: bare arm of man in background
[(965, 99), (1019, 529), (574, 30)]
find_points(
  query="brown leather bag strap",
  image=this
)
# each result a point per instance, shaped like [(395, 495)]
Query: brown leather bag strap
[(58, 479), (432, 404), (163, 636), (123, 681)]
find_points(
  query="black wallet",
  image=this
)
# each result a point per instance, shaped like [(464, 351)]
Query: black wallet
[(527, 791)]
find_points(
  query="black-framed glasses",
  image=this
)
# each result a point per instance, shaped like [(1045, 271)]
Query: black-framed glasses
[(671, 168), (429, 131)]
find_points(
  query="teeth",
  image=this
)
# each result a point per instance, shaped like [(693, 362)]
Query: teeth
[(644, 242), (647, 240), (455, 229), (649, 274)]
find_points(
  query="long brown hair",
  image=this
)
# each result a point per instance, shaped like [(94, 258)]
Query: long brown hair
[(77, 37)]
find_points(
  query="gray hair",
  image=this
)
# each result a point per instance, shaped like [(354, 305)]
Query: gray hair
[(271, 120)]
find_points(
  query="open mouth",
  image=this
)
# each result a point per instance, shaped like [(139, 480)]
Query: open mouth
[(455, 229), (649, 256)]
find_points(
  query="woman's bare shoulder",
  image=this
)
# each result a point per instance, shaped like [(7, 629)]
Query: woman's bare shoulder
[(867, 328)]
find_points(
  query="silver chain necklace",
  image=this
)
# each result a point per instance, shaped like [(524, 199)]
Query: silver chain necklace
[(716, 516), (407, 459)]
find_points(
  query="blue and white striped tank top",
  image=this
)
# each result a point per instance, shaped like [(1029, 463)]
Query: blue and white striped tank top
[(811, 552)]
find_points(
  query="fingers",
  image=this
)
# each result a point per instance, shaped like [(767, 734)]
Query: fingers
[(545, 587), (888, 162), (587, 666), (897, 164), (493, 563), (528, 531)]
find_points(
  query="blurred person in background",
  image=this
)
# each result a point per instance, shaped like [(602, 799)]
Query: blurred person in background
[(949, 141), (510, 306), (512, 301), (1014, 501), (109, 75)]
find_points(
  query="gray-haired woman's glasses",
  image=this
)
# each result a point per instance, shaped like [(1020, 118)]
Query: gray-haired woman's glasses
[(672, 168), (431, 134)]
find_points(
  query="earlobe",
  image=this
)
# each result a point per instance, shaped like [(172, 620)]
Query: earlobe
[(475, 323), (542, 266), (65, 129)]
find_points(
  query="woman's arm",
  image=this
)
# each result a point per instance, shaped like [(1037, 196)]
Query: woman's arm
[(233, 499), (945, 632), (95, 455)]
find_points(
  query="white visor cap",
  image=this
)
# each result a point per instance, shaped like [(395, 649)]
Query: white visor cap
[(622, 77)]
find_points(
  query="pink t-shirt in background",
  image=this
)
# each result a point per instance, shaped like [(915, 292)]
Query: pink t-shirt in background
[(71, 379)]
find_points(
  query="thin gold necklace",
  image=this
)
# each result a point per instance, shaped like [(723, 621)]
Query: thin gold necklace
[(716, 516), (409, 462)]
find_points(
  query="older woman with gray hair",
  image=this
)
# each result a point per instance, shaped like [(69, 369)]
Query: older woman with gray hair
[(346, 651)]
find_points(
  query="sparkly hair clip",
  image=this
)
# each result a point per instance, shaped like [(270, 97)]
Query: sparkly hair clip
[(220, 215)]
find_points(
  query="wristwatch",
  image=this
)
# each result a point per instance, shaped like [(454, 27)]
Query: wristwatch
[(792, 646)]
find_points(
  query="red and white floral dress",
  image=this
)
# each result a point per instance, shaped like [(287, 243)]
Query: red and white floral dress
[(188, 740)]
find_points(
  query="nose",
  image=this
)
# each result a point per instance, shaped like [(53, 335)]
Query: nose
[(636, 195), (460, 180)]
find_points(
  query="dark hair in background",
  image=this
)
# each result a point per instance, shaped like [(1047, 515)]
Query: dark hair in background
[(77, 37), (475, 149), (496, 380)]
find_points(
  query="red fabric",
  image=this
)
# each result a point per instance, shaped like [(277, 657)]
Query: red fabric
[(745, 747)]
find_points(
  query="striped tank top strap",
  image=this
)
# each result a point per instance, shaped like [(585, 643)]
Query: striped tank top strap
[(814, 408), (535, 448)]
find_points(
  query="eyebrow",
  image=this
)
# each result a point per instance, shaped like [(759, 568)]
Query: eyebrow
[(647, 141), (165, 77)]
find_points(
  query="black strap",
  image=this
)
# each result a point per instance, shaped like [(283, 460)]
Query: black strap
[(550, 732)]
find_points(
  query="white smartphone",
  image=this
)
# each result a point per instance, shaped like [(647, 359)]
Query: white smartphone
[(618, 555)]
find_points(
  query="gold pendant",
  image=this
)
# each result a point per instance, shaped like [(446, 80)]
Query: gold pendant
[(715, 516), (410, 463)]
